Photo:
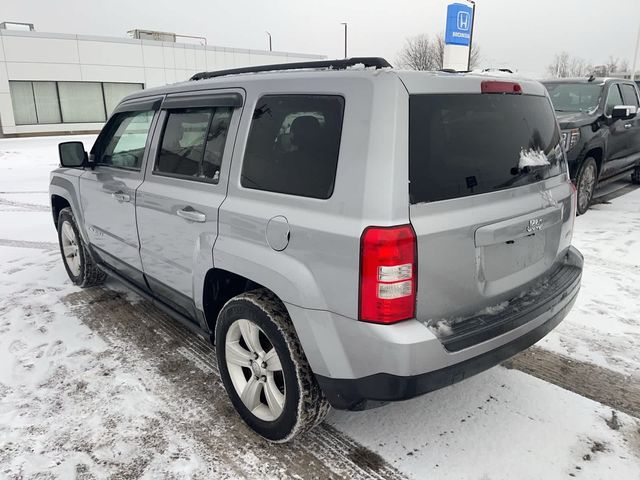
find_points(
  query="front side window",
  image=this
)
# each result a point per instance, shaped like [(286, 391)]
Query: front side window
[(629, 94), (193, 143), (125, 139), (293, 145), (613, 99)]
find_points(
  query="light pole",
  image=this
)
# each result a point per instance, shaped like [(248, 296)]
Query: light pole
[(473, 19), (270, 48), (345, 38), (635, 57)]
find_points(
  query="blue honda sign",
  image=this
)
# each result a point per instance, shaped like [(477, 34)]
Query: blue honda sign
[(459, 20)]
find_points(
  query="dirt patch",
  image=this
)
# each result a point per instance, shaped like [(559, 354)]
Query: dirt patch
[(600, 384), (367, 459)]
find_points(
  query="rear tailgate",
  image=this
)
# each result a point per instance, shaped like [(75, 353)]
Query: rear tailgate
[(490, 198)]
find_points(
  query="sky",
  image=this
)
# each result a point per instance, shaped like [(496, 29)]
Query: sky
[(517, 34)]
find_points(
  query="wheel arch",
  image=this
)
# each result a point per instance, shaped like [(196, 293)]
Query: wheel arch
[(220, 286), (58, 202), (597, 153)]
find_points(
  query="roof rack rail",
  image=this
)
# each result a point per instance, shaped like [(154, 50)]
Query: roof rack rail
[(370, 62)]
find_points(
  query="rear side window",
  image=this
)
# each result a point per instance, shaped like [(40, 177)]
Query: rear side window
[(193, 143), (468, 144), (293, 145)]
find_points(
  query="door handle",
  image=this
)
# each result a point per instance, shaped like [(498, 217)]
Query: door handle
[(627, 125), (121, 196), (189, 213)]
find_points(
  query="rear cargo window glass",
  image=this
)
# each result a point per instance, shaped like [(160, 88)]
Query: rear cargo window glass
[(293, 145), (468, 144)]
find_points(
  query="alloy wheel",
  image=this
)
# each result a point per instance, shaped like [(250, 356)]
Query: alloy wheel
[(255, 370), (585, 188), (70, 248)]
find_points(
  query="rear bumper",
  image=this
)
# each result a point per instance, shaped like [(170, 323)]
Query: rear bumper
[(449, 367)]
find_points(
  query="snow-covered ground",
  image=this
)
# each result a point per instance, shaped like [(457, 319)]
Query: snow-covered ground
[(604, 325), (94, 384)]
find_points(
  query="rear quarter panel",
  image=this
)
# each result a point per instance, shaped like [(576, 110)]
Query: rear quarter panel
[(319, 269)]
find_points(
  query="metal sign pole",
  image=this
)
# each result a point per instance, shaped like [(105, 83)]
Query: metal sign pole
[(635, 57), (473, 20)]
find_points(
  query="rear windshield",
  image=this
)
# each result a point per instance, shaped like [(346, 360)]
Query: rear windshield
[(574, 97), (467, 144)]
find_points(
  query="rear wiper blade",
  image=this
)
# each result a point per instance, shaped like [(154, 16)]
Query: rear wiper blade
[(528, 169)]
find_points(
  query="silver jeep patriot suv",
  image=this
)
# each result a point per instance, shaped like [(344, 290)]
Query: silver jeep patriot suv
[(345, 233)]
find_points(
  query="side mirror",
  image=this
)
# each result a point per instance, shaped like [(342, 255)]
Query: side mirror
[(624, 112), (72, 154)]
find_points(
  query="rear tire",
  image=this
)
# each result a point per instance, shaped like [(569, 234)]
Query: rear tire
[(77, 262), (635, 176), (586, 184), (264, 369)]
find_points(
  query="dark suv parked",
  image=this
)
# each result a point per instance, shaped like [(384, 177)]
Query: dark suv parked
[(600, 130)]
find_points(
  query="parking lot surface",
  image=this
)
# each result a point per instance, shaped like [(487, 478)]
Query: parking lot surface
[(98, 383)]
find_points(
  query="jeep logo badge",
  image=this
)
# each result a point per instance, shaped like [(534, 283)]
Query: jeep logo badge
[(534, 225)]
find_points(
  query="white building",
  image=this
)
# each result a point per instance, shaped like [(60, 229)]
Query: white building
[(58, 83)]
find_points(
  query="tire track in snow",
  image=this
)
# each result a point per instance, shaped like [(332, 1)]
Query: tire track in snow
[(28, 244), (22, 206), (323, 452), (610, 388)]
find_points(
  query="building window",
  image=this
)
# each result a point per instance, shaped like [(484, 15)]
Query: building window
[(114, 92), (24, 105), (81, 102), (66, 102)]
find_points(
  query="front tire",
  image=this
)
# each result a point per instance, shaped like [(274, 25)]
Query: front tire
[(77, 262), (635, 176), (264, 369), (586, 184)]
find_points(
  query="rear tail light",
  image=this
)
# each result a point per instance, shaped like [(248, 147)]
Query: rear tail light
[(498, 86), (388, 274)]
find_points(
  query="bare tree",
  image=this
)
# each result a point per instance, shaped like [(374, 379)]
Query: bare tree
[(612, 65), (564, 65), (418, 53), (559, 68), (624, 66), (475, 59), (422, 53), (579, 67)]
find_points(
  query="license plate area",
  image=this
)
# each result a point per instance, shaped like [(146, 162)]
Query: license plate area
[(501, 260)]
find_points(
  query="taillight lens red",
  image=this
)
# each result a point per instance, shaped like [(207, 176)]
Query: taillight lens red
[(497, 86), (388, 274)]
